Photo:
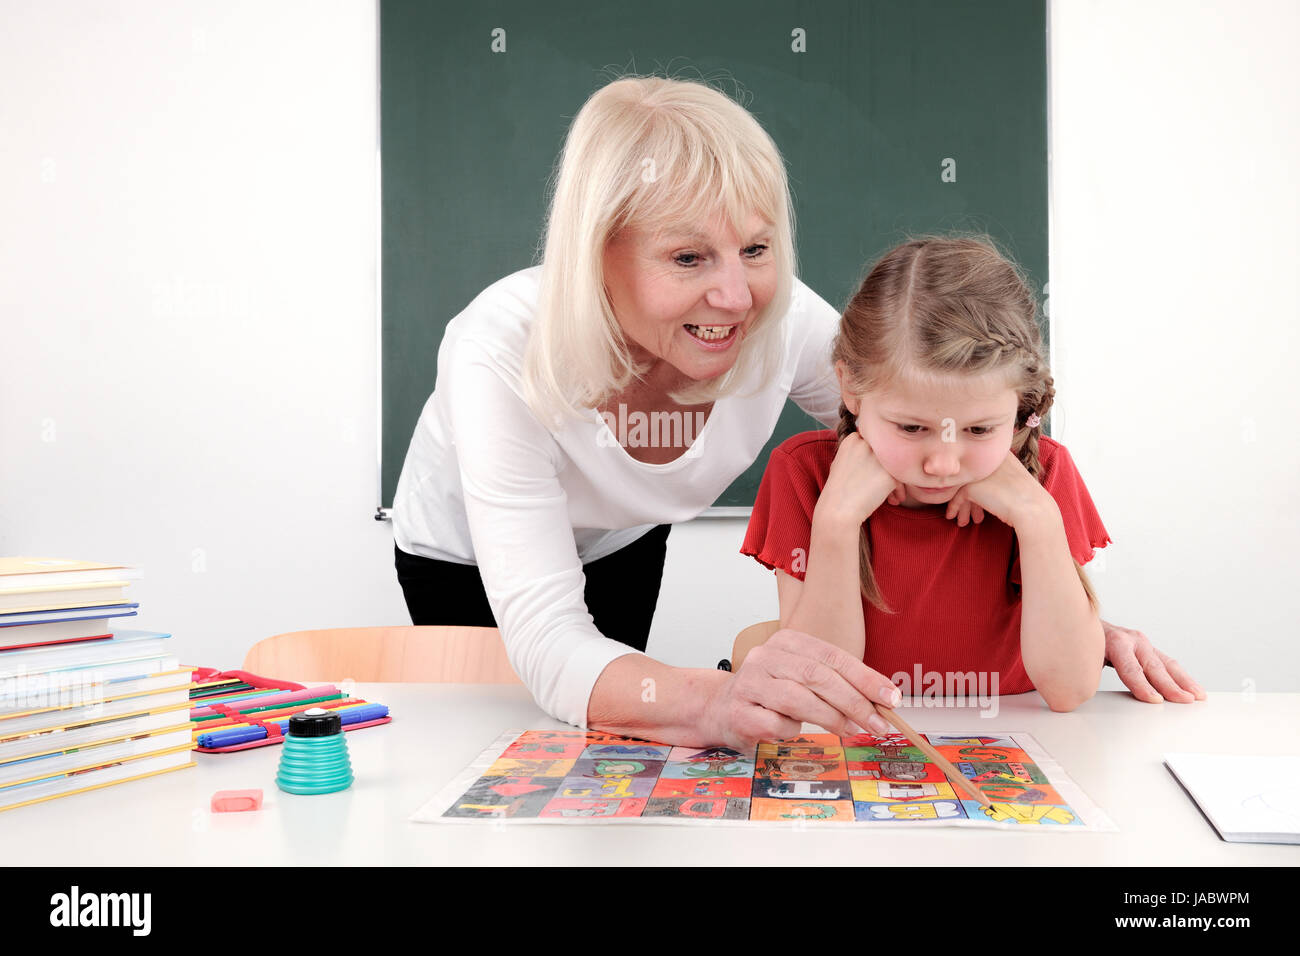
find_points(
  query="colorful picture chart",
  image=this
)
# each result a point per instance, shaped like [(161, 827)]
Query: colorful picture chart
[(576, 776)]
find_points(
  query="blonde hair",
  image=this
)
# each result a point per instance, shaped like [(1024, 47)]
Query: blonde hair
[(653, 153), (939, 306)]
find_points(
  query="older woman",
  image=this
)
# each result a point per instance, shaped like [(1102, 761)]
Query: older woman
[(667, 302)]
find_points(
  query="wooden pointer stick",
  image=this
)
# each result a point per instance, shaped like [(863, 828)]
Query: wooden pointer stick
[(956, 776)]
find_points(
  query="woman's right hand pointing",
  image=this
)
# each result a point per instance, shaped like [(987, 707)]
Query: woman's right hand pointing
[(795, 678)]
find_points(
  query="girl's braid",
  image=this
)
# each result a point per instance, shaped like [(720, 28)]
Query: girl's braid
[(870, 589)]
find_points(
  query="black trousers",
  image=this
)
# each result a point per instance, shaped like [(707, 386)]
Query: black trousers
[(622, 589)]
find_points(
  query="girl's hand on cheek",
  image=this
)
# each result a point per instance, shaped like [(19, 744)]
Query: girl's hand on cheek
[(898, 493), (858, 484), (1011, 493)]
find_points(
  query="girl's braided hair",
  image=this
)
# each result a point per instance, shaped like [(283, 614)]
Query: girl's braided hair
[(941, 306)]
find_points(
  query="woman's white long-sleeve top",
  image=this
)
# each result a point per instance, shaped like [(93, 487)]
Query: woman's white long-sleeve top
[(486, 483)]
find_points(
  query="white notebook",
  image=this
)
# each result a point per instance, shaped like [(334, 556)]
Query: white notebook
[(1248, 799)]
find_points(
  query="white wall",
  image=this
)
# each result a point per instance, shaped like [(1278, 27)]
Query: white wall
[(187, 289), (1175, 242)]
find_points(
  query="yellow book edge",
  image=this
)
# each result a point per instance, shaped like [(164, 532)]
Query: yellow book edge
[(111, 783), (32, 608), (73, 605), (99, 763), (27, 564), (184, 705), (107, 700), (74, 586), (110, 740)]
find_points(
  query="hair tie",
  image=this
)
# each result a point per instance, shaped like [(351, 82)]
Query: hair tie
[(1032, 421)]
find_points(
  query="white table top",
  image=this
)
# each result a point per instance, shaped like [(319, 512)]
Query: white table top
[(1111, 747)]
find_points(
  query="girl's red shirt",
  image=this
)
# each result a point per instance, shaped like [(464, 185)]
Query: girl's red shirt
[(955, 591)]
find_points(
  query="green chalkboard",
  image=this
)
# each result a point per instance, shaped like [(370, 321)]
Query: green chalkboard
[(870, 103)]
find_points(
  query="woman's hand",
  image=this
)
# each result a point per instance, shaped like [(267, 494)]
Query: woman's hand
[(858, 484), (1011, 493), (1151, 675), (795, 678)]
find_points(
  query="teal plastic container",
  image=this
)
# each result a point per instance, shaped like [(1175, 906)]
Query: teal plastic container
[(314, 758)]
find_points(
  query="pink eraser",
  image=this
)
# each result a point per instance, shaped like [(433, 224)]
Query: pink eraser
[(228, 801)]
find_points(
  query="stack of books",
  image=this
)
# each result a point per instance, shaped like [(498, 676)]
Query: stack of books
[(83, 704)]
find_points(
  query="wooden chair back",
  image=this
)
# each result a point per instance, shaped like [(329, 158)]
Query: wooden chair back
[(443, 654)]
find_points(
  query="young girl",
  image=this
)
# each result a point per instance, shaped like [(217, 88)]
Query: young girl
[(938, 530)]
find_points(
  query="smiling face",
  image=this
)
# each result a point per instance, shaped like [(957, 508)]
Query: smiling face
[(936, 436), (686, 298)]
